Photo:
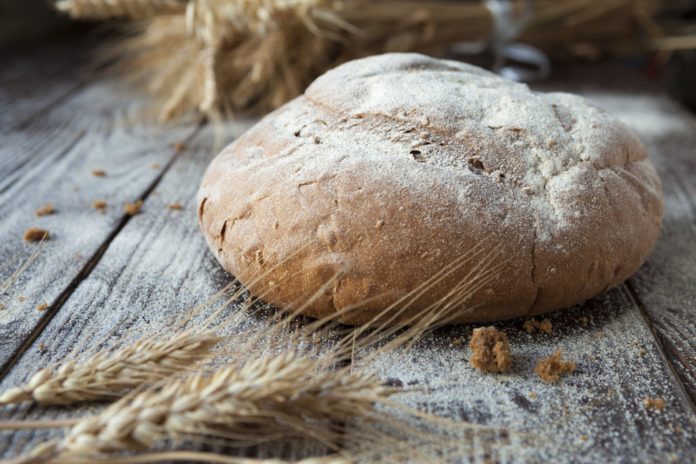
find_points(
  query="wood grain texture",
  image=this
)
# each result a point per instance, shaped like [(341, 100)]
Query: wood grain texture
[(665, 287), (594, 415), (52, 160), (154, 271), (34, 79)]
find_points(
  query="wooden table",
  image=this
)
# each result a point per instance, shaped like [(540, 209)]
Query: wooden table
[(104, 274)]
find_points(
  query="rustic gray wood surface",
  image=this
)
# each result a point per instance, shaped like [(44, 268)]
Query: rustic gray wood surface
[(107, 276)]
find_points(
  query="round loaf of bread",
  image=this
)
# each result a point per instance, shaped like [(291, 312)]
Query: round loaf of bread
[(405, 185)]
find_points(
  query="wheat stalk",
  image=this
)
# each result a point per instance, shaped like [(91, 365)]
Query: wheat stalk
[(131, 9), (108, 374), (253, 55), (284, 396), (279, 397), (197, 456)]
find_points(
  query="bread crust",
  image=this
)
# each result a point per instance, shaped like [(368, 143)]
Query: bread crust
[(390, 168)]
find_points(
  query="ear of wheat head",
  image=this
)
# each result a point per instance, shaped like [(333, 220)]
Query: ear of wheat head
[(110, 374)]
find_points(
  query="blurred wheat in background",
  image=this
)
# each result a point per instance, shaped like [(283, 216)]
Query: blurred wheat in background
[(234, 56)]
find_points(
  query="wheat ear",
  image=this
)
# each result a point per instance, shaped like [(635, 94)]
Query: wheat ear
[(266, 399), (109, 374)]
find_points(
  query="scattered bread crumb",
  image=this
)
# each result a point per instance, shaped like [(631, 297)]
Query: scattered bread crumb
[(552, 368), (533, 395), (2, 306), (42, 307), (584, 321), (100, 205), (490, 350), (532, 325), (98, 172), (34, 234), (131, 209), (658, 404), (42, 347), (45, 210), (155, 165), (457, 341), (179, 147), (379, 224), (21, 298), (642, 352), (175, 206), (584, 437)]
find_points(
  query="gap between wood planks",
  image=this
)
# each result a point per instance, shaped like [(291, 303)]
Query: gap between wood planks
[(86, 270), (686, 396)]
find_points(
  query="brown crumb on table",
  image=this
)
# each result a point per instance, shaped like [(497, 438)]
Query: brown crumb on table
[(100, 205), (42, 307), (490, 350), (21, 298), (2, 306), (532, 325), (179, 147), (34, 234), (131, 209), (658, 404), (98, 172), (42, 347), (175, 206), (552, 368), (45, 210), (533, 395), (457, 341), (155, 165)]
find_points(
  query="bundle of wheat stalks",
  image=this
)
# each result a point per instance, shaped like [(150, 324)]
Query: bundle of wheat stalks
[(231, 56), (277, 385)]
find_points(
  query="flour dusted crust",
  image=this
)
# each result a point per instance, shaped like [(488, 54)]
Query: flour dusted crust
[(389, 168)]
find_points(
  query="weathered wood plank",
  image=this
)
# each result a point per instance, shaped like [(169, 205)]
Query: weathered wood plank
[(154, 270), (595, 415), (51, 160), (37, 78), (32, 82), (666, 285)]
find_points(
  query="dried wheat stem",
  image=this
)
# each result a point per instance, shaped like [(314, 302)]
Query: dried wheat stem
[(210, 99), (196, 456), (253, 55), (132, 9), (279, 397), (109, 374)]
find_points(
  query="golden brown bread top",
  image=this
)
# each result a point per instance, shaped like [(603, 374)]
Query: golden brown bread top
[(391, 167)]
